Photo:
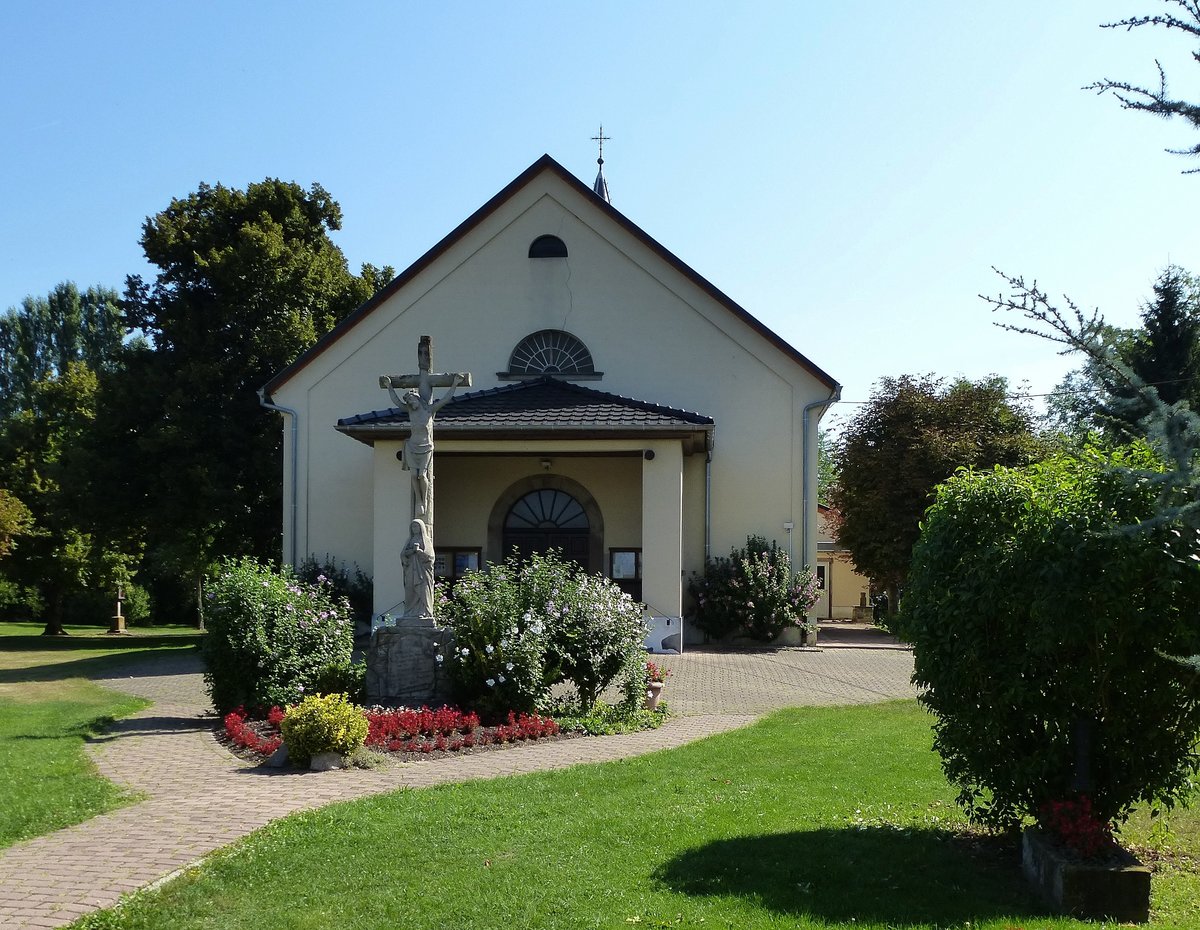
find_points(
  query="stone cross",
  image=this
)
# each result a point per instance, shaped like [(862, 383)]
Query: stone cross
[(421, 407)]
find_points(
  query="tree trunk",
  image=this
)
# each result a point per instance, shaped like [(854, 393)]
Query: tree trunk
[(893, 594), (54, 624), (200, 603)]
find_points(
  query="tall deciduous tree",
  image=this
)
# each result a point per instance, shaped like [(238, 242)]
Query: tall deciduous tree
[(42, 336), (247, 280), (909, 437), (39, 461)]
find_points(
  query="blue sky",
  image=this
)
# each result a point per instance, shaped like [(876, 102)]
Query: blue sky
[(847, 171)]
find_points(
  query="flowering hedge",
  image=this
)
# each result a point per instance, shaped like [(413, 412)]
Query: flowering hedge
[(755, 591), (523, 626), (269, 635)]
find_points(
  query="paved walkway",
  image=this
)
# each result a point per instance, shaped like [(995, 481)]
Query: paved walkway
[(199, 797)]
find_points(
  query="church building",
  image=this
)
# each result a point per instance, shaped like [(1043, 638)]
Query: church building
[(621, 407)]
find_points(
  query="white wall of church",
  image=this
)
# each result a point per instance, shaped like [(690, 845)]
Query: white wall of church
[(654, 334)]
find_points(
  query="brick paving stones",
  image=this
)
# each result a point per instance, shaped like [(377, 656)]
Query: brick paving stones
[(167, 754)]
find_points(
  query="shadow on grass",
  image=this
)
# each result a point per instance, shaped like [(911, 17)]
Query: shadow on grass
[(144, 661), (875, 874)]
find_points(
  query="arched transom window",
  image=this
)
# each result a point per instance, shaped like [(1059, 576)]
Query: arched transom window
[(546, 509), (550, 352)]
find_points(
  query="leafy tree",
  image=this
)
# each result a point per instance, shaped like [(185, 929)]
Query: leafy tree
[(15, 520), (1159, 101), (36, 463), (911, 436), (44, 335), (1042, 633), (826, 467), (247, 280)]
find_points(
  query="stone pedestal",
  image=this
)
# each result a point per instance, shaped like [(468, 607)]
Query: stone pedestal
[(402, 665), (1119, 890)]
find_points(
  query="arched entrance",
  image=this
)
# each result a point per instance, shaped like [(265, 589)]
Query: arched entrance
[(547, 512), (548, 519)]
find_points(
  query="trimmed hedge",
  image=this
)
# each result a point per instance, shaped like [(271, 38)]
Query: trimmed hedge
[(1044, 621)]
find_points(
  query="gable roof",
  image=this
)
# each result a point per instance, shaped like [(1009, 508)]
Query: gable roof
[(543, 164), (542, 408)]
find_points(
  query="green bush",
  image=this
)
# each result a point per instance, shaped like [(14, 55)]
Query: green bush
[(522, 627), (348, 678), (1043, 629), (754, 591), (351, 583), (323, 723), (269, 635)]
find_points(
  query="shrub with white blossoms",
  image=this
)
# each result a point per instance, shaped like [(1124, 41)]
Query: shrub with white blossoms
[(270, 635), (523, 626)]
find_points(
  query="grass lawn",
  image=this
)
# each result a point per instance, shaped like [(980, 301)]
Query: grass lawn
[(814, 818), (47, 708)]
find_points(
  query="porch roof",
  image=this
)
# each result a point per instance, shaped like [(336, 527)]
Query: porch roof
[(547, 408)]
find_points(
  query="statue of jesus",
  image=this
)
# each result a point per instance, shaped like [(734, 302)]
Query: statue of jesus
[(418, 447)]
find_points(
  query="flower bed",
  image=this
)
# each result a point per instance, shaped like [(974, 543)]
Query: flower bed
[(249, 734), (405, 732)]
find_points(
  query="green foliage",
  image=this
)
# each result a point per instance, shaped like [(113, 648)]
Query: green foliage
[(1162, 356), (323, 723), (348, 678), (827, 471), (44, 463), (269, 635), (522, 627), (42, 337), (15, 520), (247, 280), (897, 448), (602, 719), (754, 591), (1042, 628), (351, 583)]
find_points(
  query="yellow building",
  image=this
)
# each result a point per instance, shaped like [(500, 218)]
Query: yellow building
[(622, 408), (845, 594)]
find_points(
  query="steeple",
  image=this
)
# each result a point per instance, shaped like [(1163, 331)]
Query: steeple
[(600, 186)]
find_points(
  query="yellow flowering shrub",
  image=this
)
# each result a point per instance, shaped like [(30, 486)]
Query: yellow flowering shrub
[(322, 723)]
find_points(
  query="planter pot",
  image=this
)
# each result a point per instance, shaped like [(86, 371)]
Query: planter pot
[(653, 694), (1117, 890), (809, 639)]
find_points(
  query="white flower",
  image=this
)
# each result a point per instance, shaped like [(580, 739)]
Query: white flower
[(649, 694), (466, 651), (528, 616), (491, 682), (508, 666), (439, 657), (501, 679), (489, 648)]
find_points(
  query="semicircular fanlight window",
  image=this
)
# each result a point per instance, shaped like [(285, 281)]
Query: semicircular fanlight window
[(550, 352), (546, 509)]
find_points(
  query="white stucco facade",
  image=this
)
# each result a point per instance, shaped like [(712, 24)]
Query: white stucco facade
[(656, 331)]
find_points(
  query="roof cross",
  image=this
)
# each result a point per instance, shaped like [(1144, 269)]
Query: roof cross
[(602, 138)]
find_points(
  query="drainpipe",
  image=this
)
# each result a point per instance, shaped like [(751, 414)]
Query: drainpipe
[(295, 416), (807, 546), (708, 500)]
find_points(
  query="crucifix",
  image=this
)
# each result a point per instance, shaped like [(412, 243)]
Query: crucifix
[(421, 407), (602, 138), (417, 556)]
